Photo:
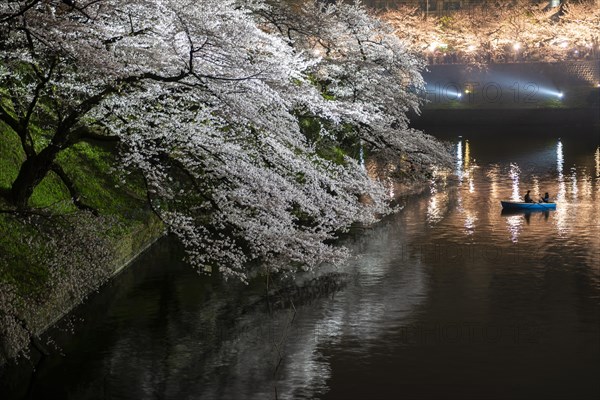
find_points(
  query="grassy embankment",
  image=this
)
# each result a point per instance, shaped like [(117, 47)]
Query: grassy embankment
[(91, 169)]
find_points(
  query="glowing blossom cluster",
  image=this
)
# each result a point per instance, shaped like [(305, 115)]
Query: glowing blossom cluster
[(502, 32)]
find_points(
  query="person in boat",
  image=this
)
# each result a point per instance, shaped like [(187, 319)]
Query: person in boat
[(527, 197), (546, 198)]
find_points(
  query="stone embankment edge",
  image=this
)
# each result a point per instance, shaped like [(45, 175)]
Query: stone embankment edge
[(131, 247)]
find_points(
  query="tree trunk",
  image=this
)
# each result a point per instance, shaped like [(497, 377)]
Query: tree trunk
[(32, 171)]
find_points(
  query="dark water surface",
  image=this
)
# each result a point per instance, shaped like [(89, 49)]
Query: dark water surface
[(449, 299)]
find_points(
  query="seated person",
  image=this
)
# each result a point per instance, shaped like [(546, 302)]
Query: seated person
[(527, 198), (546, 198)]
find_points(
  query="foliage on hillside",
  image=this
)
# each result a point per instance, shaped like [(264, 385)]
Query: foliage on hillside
[(52, 258)]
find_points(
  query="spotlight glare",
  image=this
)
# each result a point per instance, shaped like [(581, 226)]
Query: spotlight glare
[(560, 95)]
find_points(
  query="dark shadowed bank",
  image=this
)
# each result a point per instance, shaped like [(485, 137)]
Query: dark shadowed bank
[(54, 255)]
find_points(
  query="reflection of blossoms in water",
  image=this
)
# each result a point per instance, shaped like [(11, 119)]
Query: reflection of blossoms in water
[(467, 161), (586, 185), (433, 210), (514, 176), (470, 220), (459, 161), (469, 167), (492, 175), (465, 168), (437, 206), (514, 223), (559, 158), (574, 188), (562, 207), (282, 351)]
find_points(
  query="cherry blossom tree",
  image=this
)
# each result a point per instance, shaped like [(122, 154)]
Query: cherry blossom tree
[(209, 103), (205, 103)]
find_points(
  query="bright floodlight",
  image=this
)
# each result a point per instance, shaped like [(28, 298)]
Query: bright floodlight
[(551, 92), (517, 46), (459, 95)]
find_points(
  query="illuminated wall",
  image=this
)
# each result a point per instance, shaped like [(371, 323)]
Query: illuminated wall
[(443, 6), (516, 85)]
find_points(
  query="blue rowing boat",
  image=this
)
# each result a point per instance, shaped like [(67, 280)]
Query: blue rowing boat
[(519, 205)]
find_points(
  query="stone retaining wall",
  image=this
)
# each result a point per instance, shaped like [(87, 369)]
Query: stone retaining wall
[(565, 93), (518, 85)]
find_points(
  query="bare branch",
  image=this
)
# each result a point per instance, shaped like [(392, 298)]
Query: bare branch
[(19, 13)]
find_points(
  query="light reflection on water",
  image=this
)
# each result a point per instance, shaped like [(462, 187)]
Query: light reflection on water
[(536, 188), (564, 189), (514, 227), (450, 259), (597, 159), (459, 161), (559, 158), (572, 193), (561, 213), (514, 176)]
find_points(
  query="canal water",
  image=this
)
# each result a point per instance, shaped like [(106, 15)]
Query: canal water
[(447, 299)]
